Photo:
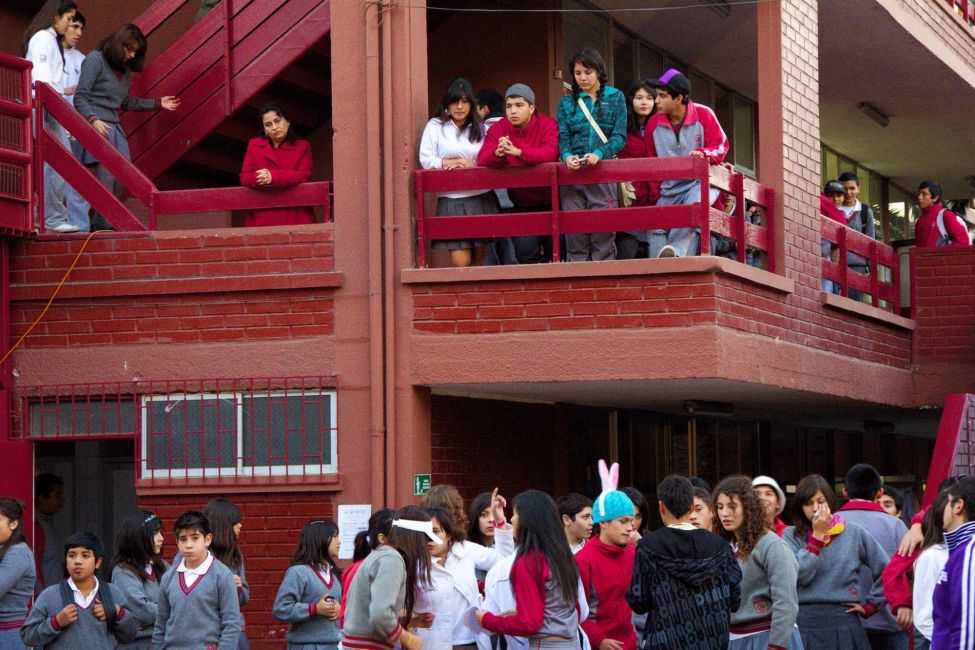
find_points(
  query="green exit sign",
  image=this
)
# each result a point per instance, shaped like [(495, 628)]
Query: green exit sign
[(421, 484)]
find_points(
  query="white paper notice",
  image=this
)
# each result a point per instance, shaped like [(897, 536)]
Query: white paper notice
[(353, 519)]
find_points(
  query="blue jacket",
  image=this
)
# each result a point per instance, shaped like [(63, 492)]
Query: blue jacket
[(576, 135), (954, 601)]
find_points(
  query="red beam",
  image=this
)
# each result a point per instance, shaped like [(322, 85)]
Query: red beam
[(241, 198)]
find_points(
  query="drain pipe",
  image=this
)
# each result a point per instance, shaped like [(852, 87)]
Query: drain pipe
[(374, 183)]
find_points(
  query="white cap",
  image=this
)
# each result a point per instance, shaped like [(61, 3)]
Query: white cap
[(425, 527), (772, 483)]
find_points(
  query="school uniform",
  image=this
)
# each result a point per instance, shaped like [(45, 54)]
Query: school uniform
[(198, 608), (606, 571), (766, 617), (42, 628), (101, 93), (45, 53), (577, 138), (77, 206), (952, 602), (927, 233), (829, 577), (374, 600), (142, 601), (928, 567), (303, 586), (443, 139), (17, 575)]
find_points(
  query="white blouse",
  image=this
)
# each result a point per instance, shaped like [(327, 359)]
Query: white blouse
[(927, 567), (453, 598), (44, 51), (444, 140)]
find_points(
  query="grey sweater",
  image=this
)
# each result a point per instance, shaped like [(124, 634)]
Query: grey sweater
[(17, 574), (768, 588), (142, 599), (206, 614), (41, 629), (831, 574), (888, 531), (295, 603), (374, 600), (102, 92)]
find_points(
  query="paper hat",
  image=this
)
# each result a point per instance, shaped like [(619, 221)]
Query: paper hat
[(772, 483), (425, 527), (611, 503)]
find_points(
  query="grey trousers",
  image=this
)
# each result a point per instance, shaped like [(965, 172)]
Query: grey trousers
[(596, 245)]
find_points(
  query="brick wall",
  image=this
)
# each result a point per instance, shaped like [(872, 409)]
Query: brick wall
[(176, 287), (477, 445), (271, 524), (621, 302), (944, 304), (935, 15)]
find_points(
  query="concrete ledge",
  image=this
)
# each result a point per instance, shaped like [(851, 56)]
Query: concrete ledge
[(867, 311), (555, 270), (313, 483), (178, 286)]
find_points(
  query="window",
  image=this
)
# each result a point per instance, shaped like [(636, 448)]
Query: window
[(260, 433), (82, 416)]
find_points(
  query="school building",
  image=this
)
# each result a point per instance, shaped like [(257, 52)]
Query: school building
[(293, 369)]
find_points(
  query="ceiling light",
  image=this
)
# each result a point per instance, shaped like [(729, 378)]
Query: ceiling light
[(874, 113)]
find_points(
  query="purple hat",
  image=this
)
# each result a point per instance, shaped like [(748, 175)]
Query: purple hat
[(674, 82)]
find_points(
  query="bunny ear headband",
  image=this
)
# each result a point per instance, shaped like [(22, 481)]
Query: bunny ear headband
[(610, 478)]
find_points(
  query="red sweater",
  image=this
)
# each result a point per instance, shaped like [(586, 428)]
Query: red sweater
[(539, 143), (529, 575), (926, 231), (606, 573), (636, 147), (289, 164)]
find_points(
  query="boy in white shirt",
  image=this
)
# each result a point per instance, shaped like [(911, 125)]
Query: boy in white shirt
[(73, 57)]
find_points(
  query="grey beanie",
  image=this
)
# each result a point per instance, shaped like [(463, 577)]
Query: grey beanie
[(521, 90)]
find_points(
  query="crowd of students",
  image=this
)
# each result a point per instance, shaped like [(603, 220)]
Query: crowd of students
[(595, 122), (724, 571)]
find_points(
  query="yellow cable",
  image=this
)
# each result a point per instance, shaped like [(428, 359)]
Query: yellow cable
[(53, 296)]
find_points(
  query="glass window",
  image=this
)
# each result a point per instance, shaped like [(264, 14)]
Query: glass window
[(238, 434), (583, 29), (651, 64), (700, 88), (82, 415), (831, 166), (624, 63), (725, 114), (744, 132)]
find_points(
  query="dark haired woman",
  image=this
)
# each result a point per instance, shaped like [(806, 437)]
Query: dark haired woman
[(769, 604), (310, 595), (830, 553), (451, 140), (277, 159), (544, 577), (103, 91), (17, 574), (137, 569), (43, 47), (226, 522), (366, 541), (927, 568), (639, 106), (386, 584), (592, 127)]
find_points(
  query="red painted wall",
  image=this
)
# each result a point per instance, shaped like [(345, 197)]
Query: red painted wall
[(271, 524), (625, 302), (944, 304), (478, 444)]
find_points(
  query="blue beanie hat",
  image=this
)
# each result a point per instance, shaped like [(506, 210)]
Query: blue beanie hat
[(611, 503)]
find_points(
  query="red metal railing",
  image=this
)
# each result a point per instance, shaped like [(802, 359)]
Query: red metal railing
[(16, 146), (203, 431), (965, 9), (883, 282), (158, 202), (556, 221)]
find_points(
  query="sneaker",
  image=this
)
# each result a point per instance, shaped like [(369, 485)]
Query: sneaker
[(667, 251), (65, 228)]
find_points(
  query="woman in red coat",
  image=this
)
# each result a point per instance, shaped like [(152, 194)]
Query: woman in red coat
[(277, 159)]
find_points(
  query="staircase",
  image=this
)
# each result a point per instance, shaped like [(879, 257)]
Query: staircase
[(241, 55)]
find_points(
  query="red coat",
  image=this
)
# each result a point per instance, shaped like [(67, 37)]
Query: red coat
[(539, 143), (926, 231), (606, 572), (289, 164), (636, 147)]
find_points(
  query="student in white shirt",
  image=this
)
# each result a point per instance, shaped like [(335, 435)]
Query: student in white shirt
[(73, 57), (447, 606), (43, 48), (927, 568), (452, 140)]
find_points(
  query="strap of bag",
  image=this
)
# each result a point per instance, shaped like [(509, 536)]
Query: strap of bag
[(108, 602), (67, 597), (592, 122), (941, 223)]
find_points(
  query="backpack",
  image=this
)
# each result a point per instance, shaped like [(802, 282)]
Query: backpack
[(943, 238), (104, 595)]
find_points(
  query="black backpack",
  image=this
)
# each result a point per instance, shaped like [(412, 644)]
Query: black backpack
[(104, 595)]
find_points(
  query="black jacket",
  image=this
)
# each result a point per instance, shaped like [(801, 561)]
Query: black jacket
[(688, 581)]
